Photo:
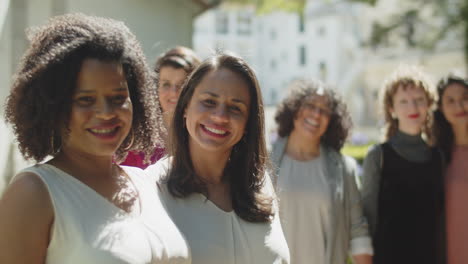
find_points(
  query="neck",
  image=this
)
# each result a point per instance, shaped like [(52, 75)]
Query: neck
[(300, 148), (81, 164), (461, 135), (209, 166), (410, 130)]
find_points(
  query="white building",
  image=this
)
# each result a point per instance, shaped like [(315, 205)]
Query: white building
[(329, 41)]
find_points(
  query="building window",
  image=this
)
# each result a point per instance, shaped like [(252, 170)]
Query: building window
[(273, 34), (302, 56), (273, 65), (323, 71), (222, 22), (301, 23), (321, 31), (244, 23)]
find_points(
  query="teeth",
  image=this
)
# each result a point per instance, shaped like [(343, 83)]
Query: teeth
[(216, 131), (103, 131), (311, 122)]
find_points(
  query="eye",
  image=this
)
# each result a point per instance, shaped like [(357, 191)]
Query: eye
[(235, 109), (404, 101), (209, 102), (119, 99), (165, 85), (85, 100)]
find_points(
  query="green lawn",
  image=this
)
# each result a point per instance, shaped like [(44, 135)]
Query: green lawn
[(357, 151)]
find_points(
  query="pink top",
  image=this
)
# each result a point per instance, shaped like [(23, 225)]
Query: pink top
[(456, 206), (135, 159)]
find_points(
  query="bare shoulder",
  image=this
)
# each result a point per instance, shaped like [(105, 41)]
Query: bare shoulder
[(27, 196), (27, 216)]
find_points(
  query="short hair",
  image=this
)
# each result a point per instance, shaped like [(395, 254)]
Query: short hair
[(178, 57), (40, 101), (299, 90), (444, 137), (406, 76), (246, 168)]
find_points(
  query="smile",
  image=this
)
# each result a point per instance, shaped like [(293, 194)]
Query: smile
[(215, 132), (104, 133), (311, 122)]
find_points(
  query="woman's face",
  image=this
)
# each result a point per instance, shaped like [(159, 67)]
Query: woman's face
[(410, 107), (101, 112), (217, 113), (170, 81), (312, 119), (455, 104)]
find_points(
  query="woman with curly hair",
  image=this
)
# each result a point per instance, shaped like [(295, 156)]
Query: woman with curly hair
[(402, 178), (172, 68), (84, 95), (215, 185), (320, 208), (451, 131)]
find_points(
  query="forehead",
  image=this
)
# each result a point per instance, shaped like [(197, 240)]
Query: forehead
[(224, 83), (169, 73), (456, 89), (96, 74), (317, 99), (409, 90)]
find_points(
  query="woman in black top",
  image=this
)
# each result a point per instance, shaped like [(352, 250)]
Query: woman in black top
[(402, 182)]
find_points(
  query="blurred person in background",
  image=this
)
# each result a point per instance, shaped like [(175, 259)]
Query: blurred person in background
[(402, 177), (172, 69), (84, 95), (451, 131), (320, 207), (214, 183)]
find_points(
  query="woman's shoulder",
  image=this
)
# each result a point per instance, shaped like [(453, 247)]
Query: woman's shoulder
[(160, 169)]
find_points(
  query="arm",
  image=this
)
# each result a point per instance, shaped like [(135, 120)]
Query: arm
[(370, 185), (360, 244), (26, 218)]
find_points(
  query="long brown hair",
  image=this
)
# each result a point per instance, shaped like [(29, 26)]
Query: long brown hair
[(246, 169)]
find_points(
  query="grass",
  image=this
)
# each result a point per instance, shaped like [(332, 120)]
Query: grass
[(358, 152)]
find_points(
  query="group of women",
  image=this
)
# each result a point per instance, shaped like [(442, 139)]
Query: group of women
[(85, 98)]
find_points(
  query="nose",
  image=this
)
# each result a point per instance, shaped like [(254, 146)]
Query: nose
[(104, 110), (220, 114)]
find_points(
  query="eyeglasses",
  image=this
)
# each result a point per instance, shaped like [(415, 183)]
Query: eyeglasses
[(317, 109)]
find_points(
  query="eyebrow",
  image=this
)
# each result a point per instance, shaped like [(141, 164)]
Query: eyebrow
[(118, 89), (234, 99)]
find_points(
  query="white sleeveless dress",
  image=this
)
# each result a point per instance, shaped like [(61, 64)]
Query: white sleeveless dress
[(90, 229)]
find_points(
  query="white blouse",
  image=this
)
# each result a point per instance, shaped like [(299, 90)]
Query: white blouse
[(219, 237)]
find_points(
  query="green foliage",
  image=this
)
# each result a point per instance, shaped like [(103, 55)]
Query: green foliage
[(267, 6), (358, 152)]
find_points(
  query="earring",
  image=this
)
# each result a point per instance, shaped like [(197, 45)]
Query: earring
[(131, 141), (393, 115), (53, 149)]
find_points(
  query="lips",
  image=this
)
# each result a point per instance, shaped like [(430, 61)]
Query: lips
[(461, 114), (215, 131), (107, 132), (414, 116)]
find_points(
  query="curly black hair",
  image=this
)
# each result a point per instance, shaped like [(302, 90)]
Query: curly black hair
[(246, 168), (39, 105), (443, 132), (299, 90)]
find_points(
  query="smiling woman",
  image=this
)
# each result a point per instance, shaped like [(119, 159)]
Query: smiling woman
[(215, 185), (85, 96), (321, 214)]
